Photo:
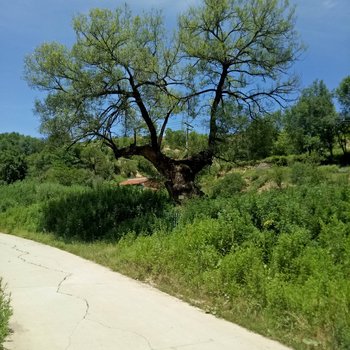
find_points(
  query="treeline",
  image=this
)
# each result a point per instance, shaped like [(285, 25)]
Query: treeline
[(312, 127), (60, 161)]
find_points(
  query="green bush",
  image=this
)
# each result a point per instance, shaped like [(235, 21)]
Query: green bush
[(302, 173), (278, 160), (228, 186), (26, 193), (5, 313), (103, 212), (278, 175)]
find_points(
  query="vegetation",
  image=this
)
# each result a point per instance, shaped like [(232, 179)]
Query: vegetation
[(267, 246), (273, 254), (5, 313), (266, 243), (125, 73), (14, 149), (311, 123)]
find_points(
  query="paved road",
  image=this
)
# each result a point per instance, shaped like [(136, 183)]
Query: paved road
[(64, 302)]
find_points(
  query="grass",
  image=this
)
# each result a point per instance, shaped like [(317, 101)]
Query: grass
[(276, 262), (5, 313)]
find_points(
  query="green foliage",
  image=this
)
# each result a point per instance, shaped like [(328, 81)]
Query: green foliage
[(179, 143), (228, 186), (68, 176), (12, 168), (127, 75), (282, 146), (19, 144), (26, 193), (260, 137), (343, 95), (277, 261), (281, 255), (5, 313), (103, 212), (83, 163), (311, 123), (278, 175), (15, 149), (253, 139), (83, 213)]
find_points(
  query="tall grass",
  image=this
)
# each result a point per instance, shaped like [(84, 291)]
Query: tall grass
[(5, 313), (104, 212), (81, 213)]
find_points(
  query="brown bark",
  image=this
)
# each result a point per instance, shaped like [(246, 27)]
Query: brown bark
[(180, 182), (179, 174)]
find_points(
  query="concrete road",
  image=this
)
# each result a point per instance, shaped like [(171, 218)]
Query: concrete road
[(63, 302)]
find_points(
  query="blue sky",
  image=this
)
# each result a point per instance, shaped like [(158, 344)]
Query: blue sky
[(323, 26)]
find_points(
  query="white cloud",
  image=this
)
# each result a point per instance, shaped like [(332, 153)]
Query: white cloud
[(329, 4)]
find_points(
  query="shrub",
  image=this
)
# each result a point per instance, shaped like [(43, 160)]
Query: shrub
[(302, 173), (103, 212), (228, 186), (278, 160), (5, 313), (278, 175)]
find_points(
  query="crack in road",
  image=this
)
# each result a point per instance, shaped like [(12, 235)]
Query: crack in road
[(25, 253), (176, 347), (58, 290), (187, 345), (124, 330), (77, 297)]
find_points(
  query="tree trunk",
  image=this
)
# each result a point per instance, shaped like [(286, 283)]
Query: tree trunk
[(180, 182), (179, 174)]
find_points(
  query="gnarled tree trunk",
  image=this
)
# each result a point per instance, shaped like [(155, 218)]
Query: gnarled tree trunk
[(180, 182), (179, 175)]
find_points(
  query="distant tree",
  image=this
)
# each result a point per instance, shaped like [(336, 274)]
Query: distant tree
[(15, 150), (283, 144), (13, 167), (181, 143), (125, 73), (311, 123), (342, 93), (175, 140), (260, 137), (252, 139), (96, 159), (19, 144)]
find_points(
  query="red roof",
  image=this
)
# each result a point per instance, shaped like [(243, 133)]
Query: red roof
[(136, 181)]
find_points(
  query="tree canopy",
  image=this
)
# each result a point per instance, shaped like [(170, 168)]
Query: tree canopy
[(312, 122), (343, 95), (126, 74), (14, 149)]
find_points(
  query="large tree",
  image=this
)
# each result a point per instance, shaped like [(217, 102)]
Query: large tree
[(127, 72)]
